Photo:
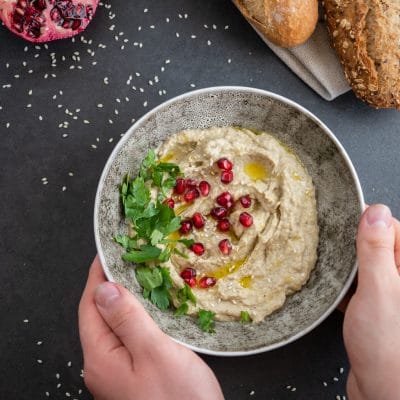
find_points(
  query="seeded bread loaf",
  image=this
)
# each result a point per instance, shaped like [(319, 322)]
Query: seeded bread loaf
[(366, 36), (286, 23)]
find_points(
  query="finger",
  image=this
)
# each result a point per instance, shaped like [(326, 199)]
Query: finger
[(397, 243), (96, 336), (375, 247), (128, 320)]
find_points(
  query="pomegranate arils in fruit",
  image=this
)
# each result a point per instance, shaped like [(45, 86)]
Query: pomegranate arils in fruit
[(197, 248), (226, 176), (170, 202), (45, 20), (191, 282), (245, 201), (246, 219), (204, 188), (188, 273), (191, 195), (225, 164), (198, 220), (207, 281), (186, 227), (225, 199), (180, 186), (219, 212), (223, 225), (225, 247)]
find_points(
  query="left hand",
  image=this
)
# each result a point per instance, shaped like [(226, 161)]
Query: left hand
[(126, 355)]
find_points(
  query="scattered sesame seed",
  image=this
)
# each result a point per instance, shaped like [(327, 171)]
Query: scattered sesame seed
[(47, 394), (293, 389), (57, 375), (325, 384), (27, 320), (100, 105), (70, 173), (39, 342), (69, 363), (252, 393), (341, 370), (335, 379), (39, 361), (209, 42), (58, 385), (64, 188), (94, 146)]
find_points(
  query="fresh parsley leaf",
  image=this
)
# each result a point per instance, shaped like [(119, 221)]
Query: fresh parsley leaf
[(126, 242), (160, 296), (165, 255), (173, 225), (186, 242), (167, 281), (205, 321), (185, 294), (179, 253), (149, 278), (148, 163), (245, 317), (156, 236), (181, 310), (146, 253)]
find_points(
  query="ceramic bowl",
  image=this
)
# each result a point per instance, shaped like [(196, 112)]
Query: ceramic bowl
[(339, 202)]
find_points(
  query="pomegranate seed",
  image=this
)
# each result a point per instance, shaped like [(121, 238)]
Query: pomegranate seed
[(223, 225), (219, 212), (245, 201), (191, 183), (186, 226), (225, 246), (246, 219), (207, 281), (180, 186), (225, 199), (226, 176), (197, 248), (191, 282), (198, 220), (188, 273), (225, 164), (170, 202), (204, 188), (191, 195)]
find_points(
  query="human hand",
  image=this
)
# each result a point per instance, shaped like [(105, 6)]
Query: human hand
[(126, 355), (372, 321)]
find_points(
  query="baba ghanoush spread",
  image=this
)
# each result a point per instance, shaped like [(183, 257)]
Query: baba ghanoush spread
[(240, 230)]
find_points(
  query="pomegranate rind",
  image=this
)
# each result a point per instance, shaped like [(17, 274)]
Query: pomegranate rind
[(51, 30)]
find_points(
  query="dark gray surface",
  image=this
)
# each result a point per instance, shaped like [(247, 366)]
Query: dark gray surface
[(46, 234)]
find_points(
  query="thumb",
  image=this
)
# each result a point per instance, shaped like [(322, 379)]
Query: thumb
[(375, 247), (127, 319)]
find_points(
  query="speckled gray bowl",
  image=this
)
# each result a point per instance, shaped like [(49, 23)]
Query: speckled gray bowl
[(339, 199)]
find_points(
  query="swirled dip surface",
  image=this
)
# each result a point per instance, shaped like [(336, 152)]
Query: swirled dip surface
[(274, 256)]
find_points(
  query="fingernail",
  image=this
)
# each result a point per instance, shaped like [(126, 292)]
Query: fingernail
[(105, 294), (379, 215)]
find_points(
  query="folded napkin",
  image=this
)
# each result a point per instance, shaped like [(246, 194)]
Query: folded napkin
[(316, 63)]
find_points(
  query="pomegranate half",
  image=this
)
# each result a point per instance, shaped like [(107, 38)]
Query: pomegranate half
[(45, 20)]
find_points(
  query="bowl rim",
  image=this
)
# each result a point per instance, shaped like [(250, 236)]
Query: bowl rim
[(265, 93)]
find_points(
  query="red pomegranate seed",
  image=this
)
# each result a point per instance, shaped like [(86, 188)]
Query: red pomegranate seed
[(204, 188), (170, 202), (246, 219), (225, 164), (225, 246), (223, 225), (198, 220), (207, 281), (197, 248), (245, 201), (188, 273), (191, 282), (191, 183), (186, 226), (191, 195), (226, 176), (225, 199), (219, 212), (180, 186)]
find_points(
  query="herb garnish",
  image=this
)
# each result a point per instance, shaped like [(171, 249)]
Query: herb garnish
[(206, 321), (245, 317)]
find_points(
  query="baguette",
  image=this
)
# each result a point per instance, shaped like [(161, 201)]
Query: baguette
[(286, 23), (366, 36)]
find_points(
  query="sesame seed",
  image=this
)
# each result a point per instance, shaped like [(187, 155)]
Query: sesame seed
[(100, 105), (27, 320), (325, 384), (47, 394), (58, 385), (57, 375), (39, 342), (69, 363), (64, 188), (39, 361), (252, 393), (335, 379), (341, 370)]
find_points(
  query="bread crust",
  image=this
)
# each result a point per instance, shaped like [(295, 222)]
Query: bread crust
[(286, 23), (366, 36)]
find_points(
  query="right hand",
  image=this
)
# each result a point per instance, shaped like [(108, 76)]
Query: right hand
[(372, 321)]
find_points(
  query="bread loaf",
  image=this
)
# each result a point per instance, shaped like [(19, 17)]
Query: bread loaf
[(286, 23), (366, 36)]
